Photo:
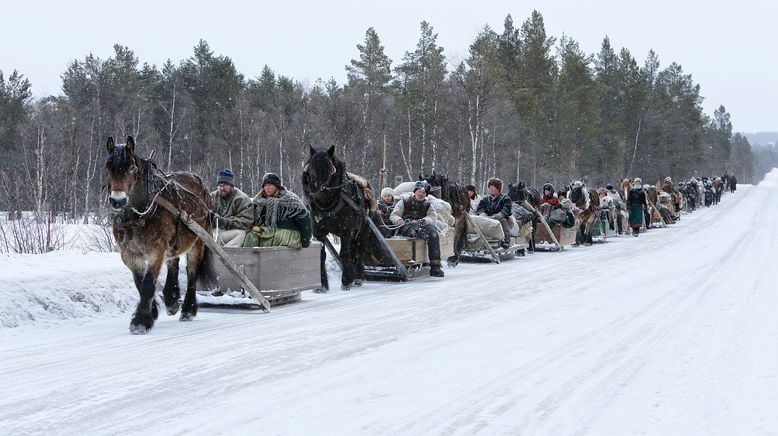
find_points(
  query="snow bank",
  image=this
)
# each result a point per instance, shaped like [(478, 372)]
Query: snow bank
[(45, 289)]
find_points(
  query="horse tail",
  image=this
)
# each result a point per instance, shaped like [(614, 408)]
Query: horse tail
[(206, 273)]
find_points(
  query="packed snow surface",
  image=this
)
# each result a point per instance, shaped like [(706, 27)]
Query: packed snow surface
[(671, 333)]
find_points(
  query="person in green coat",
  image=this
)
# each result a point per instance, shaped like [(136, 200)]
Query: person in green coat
[(280, 217), (636, 203)]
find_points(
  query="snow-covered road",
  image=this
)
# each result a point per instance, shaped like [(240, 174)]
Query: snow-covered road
[(671, 333)]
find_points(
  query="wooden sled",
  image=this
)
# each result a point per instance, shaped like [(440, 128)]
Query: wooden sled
[(564, 236), (476, 251), (279, 273), (411, 253)]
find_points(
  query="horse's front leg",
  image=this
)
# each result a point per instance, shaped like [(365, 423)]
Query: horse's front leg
[(194, 258), (146, 312), (347, 260), (320, 236), (172, 292), (460, 237)]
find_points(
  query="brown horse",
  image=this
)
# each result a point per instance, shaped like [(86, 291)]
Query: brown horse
[(148, 234), (585, 199)]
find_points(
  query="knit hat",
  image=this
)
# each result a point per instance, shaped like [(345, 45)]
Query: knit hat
[(226, 176), (497, 183), (387, 191), (638, 180), (273, 179), (668, 179)]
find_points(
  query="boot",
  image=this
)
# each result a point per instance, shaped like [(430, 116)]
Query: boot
[(635, 231), (435, 270)]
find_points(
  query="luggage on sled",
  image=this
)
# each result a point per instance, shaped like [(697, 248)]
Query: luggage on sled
[(484, 241)]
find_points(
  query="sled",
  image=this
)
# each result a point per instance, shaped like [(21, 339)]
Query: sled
[(564, 237), (601, 231), (280, 274), (476, 251), (411, 253)]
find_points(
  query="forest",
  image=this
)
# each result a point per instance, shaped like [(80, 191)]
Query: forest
[(523, 105)]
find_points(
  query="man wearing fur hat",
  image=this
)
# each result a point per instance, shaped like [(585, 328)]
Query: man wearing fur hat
[(232, 210), (497, 206), (280, 217), (416, 218)]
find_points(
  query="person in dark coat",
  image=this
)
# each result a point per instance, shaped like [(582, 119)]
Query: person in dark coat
[(280, 217), (416, 218), (636, 203), (385, 206), (497, 206)]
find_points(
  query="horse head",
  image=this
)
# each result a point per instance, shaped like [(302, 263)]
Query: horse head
[(517, 193), (122, 172), (321, 169), (578, 195)]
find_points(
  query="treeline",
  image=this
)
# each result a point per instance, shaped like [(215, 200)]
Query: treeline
[(521, 106)]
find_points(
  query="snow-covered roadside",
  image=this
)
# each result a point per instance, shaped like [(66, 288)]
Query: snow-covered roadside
[(46, 289)]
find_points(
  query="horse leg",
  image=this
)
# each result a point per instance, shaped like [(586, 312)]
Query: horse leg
[(146, 312), (460, 236), (359, 264), (323, 258), (171, 292), (347, 276), (193, 259)]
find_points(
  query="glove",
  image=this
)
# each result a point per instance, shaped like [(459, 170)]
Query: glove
[(223, 223)]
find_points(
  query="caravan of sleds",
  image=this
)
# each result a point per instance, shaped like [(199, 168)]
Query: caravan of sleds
[(159, 217)]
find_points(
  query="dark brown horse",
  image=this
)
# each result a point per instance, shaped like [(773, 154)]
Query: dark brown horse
[(148, 234), (457, 197), (519, 194), (340, 203)]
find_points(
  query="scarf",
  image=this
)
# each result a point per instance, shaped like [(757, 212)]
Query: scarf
[(269, 211)]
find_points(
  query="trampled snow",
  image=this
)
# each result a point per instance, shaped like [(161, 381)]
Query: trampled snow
[(671, 333)]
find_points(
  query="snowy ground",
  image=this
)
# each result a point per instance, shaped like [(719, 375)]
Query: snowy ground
[(672, 333)]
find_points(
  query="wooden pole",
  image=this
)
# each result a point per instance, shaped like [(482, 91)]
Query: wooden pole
[(484, 241), (529, 207), (382, 172)]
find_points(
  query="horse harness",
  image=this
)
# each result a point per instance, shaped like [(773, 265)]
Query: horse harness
[(156, 184)]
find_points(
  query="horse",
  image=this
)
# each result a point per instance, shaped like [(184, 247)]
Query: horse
[(340, 203), (584, 199), (148, 235), (457, 197), (519, 194), (732, 183)]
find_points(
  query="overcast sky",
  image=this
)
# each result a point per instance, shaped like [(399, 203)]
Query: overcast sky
[(729, 47)]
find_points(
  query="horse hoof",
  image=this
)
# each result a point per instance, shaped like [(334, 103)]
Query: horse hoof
[(345, 287), (172, 309), (357, 283), (138, 329), (320, 291), (185, 316)]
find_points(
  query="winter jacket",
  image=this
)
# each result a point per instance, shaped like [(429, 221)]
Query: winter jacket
[(497, 208), (410, 209), (236, 208), (385, 209), (551, 201)]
